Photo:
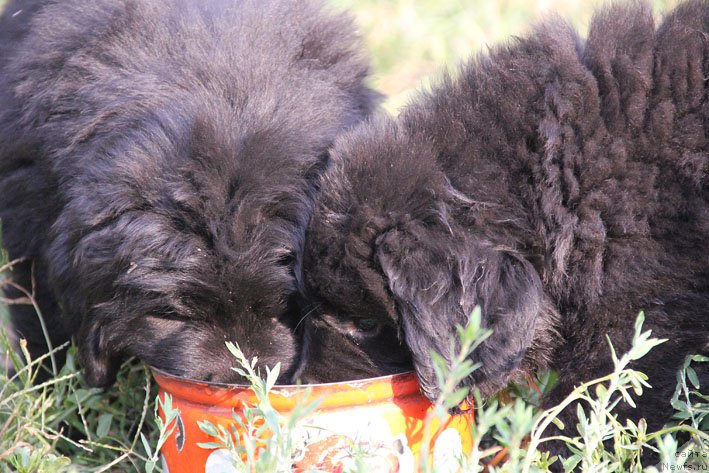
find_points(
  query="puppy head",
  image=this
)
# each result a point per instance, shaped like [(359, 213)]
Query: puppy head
[(167, 258), (393, 262), (191, 346), (176, 309)]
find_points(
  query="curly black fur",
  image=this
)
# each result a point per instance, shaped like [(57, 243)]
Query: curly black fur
[(157, 169), (560, 184)]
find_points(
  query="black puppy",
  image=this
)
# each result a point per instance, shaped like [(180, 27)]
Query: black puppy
[(561, 185), (157, 168)]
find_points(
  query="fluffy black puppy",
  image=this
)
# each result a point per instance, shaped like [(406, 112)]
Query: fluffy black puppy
[(157, 169), (559, 184)]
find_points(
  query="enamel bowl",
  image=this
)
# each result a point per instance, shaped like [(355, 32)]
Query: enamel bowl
[(383, 417)]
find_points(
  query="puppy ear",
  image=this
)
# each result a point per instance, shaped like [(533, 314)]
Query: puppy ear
[(437, 282), (100, 362)]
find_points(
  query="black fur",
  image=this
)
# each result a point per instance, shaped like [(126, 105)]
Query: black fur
[(157, 169), (560, 184)]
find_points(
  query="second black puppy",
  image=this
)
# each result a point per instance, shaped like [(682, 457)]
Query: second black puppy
[(157, 164), (560, 185)]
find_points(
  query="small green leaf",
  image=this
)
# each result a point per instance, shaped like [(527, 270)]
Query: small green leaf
[(614, 355), (104, 425), (272, 420), (668, 449), (272, 376), (581, 414), (456, 397), (678, 405), (146, 445), (682, 415), (639, 321), (209, 445), (641, 350), (692, 376), (558, 423), (571, 463), (208, 428)]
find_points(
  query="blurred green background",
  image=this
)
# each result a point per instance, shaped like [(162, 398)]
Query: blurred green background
[(411, 41)]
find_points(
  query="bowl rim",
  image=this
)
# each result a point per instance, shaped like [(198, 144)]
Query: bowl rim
[(398, 388), (403, 376)]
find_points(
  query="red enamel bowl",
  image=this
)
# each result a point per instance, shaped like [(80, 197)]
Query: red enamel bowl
[(386, 416)]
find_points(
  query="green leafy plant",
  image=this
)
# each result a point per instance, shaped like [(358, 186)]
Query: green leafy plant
[(692, 418), (598, 425), (61, 424), (165, 429), (267, 442), (600, 442), (449, 376)]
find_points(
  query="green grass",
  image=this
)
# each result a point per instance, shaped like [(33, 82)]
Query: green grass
[(120, 431), (66, 426)]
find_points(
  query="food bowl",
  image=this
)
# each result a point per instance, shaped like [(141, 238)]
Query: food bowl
[(385, 416)]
